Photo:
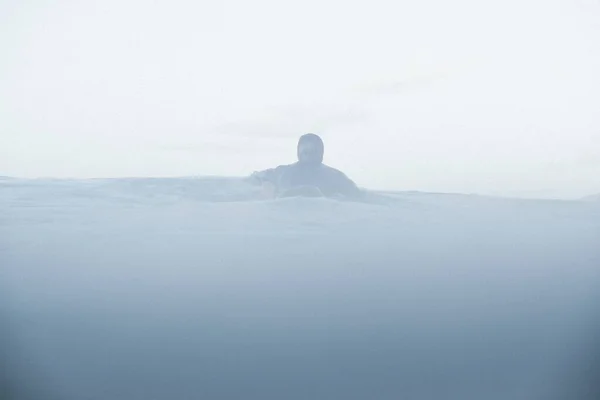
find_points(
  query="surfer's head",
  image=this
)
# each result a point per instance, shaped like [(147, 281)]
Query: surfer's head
[(310, 149)]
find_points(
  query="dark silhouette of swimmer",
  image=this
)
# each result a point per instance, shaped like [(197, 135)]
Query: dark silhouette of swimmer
[(309, 174)]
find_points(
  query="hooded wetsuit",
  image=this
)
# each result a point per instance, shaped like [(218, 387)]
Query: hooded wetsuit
[(328, 180)]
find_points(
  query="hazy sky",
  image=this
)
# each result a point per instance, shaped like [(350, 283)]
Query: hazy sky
[(463, 96)]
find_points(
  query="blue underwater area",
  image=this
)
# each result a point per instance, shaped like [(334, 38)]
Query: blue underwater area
[(199, 288)]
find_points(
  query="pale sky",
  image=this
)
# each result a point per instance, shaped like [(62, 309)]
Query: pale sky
[(464, 96)]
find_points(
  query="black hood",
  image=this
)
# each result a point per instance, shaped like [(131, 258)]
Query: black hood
[(317, 142)]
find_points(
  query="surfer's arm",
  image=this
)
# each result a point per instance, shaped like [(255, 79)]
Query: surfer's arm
[(347, 188), (270, 175)]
